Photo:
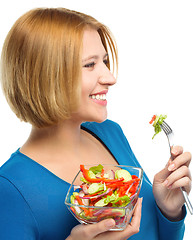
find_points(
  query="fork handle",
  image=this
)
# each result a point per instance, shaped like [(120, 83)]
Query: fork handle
[(187, 200)]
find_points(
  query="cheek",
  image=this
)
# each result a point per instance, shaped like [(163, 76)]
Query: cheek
[(88, 85), (84, 91)]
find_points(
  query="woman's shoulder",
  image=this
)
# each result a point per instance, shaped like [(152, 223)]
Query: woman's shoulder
[(10, 164), (14, 164), (20, 170)]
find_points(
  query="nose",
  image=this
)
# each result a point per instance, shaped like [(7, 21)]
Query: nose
[(106, 77)]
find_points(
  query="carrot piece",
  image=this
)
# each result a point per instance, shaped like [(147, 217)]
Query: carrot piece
[(86, 211), (72, 209), (153, 119)]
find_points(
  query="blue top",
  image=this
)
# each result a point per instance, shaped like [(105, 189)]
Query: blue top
[(32, 198)]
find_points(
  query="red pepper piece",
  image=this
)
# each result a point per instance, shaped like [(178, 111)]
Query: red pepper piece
[(97, 180), (134, 176), (120, 184), (90, 212), (94, 200), (134, 188), (132, 180), (94, 194), (115, 185)]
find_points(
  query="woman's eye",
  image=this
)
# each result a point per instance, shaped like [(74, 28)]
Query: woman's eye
[(106, 62), (90, 65)]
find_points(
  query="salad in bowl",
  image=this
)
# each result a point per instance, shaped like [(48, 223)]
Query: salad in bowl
[(104, 191)]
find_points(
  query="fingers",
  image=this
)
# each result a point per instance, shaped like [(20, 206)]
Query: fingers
[(176, 173), (181, 177), (180, 158), (183, 182), (136, 219), (90, 231), (134, 225), (176, 150), (100, 227), (179, 174)]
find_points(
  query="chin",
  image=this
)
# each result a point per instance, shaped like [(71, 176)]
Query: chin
[(98, 119)]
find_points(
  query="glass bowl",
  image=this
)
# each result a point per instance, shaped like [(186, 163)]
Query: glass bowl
[(87, 214)]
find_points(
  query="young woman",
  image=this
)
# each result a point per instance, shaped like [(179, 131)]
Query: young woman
[(55, 75)]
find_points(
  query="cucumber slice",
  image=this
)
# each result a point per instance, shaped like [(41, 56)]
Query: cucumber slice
[(120, 212), (122, 173), (91, 174), (72, 198), (101, 203), (95, 187)]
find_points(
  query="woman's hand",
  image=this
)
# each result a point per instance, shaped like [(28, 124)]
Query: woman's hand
[(167, 183), (99, 231)]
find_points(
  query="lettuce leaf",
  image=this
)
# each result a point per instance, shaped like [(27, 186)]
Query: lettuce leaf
[(96, 169), (157, 122), (115, 200)]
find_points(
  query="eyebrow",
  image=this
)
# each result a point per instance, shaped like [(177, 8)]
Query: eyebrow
[(93, 57)]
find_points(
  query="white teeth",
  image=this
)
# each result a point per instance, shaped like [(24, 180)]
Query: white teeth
[(104, 96), (99, 97)]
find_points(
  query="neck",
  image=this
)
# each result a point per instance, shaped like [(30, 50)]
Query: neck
[(65, 136)]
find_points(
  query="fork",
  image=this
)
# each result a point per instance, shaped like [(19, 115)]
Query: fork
[(170, 136)]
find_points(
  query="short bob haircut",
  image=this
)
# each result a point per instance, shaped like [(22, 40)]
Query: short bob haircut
[(41, 63)]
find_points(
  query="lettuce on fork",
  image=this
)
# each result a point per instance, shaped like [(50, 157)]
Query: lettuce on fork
[(157, 120)]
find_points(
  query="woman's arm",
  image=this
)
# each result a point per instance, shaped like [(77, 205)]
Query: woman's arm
[(16, 221)]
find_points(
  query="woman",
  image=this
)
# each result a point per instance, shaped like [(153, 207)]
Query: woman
[(55, 75)]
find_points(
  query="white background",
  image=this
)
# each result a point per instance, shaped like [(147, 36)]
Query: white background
[(155, 42)]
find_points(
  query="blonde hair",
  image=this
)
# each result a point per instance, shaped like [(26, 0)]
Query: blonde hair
[(41, 63)]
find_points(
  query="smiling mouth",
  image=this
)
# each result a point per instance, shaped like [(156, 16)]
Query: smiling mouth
[(101, 97)]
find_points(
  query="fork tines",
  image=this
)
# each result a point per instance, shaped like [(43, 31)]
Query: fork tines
[(166, 128)]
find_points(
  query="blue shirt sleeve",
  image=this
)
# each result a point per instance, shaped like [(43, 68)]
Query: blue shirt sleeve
[(168, 229), (16, 221)]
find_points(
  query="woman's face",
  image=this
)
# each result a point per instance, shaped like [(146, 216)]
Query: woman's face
[(96, 78)]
